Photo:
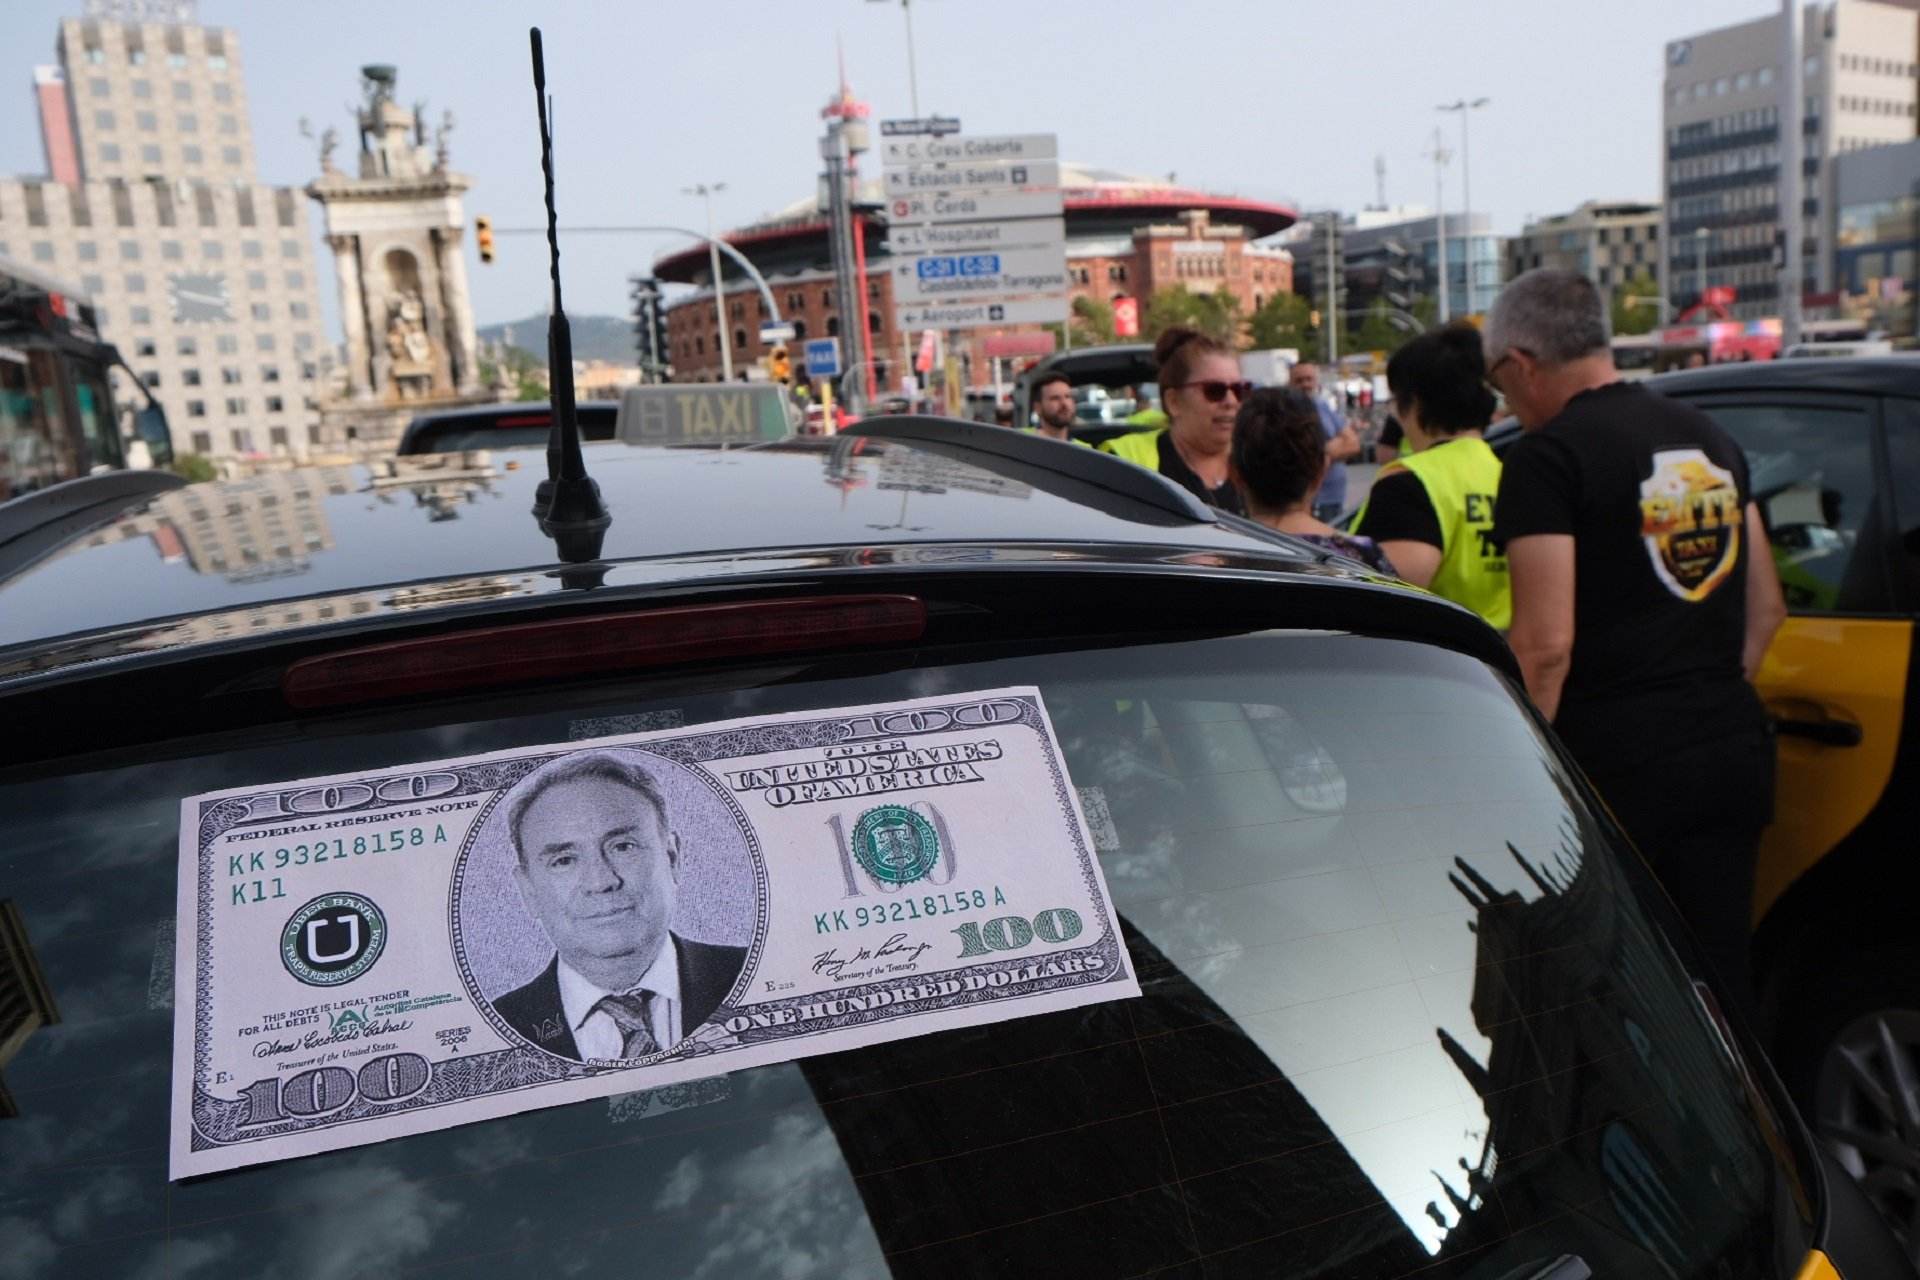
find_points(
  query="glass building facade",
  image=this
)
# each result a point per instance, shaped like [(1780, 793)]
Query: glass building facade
[(1876, 236)]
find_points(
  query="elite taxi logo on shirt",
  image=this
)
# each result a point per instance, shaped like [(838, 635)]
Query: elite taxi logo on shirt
[(1690, 519)]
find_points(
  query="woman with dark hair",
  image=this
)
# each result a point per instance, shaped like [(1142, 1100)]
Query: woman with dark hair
[(1278, 459), (1431, 509), (1200, 390)]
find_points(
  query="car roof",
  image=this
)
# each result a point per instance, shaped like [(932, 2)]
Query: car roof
[(511, 408), (296, 549), (1877, 375), (1132, 360)]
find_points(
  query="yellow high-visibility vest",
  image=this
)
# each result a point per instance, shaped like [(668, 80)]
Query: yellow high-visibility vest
[(1139, 447), (1461, 477)]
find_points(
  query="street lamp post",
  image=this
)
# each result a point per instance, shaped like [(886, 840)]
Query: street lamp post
[(707, 193), (1700, 237), (1465, 108), (1793, 188), (1440, 157), (913, 78)]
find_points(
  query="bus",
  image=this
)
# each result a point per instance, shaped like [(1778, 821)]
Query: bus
[(1634, 355), (57, 415)]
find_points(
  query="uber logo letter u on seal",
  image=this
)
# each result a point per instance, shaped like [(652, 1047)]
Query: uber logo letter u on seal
[(333, 939), (1690, 520)]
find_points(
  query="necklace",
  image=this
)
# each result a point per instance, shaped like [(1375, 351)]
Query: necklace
[(1216, 464)]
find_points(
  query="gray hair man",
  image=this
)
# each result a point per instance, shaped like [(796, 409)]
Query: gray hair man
[(1644, 597)]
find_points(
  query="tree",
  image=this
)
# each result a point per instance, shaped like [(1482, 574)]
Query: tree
[(1382, 329), (1636, 305), (1284, 320), (195, 468), (1092, 322), (1215, 314)]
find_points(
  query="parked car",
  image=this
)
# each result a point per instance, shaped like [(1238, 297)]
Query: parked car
[(1833, 447), (1408, 1004), (510, 425)]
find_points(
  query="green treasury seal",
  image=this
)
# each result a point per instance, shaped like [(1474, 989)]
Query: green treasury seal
[(896, 844)]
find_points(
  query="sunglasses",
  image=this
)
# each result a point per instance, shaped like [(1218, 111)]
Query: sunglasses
[(1215, 392)]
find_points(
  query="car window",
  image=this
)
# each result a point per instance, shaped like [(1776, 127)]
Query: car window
[(1812, 473), (1903, 469), (506, 430), (1402, 1008)]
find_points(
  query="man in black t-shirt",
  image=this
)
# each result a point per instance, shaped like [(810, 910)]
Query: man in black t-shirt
[(1644, 596)]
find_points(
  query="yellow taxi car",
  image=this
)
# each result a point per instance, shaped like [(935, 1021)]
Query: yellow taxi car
[(1834, 451)]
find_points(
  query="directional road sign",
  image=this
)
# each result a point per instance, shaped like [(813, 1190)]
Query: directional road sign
[(952, 179), (967, 276), (1037, 309), (823, 357), (975, 232), (935, 125), (968, 150), (976, 237), (976, 206)]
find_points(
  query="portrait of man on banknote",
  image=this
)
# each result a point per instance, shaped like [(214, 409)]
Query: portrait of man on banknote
[(598, 863)]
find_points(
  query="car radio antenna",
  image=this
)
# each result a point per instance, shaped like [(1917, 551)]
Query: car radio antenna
[(569, 504)]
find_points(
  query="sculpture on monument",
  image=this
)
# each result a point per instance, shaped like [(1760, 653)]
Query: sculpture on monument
[(407, 340), (329, 143), (397, 230)]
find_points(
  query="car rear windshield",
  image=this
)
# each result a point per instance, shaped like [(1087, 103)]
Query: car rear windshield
[(1403, 1011), (510, 429)]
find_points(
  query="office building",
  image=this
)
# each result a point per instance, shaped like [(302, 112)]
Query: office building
[(1876, 237), (1608, 241), (204, 276), (1722, 117), (1392, 255)]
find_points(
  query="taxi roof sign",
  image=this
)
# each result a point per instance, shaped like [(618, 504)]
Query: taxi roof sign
[(703, 414)]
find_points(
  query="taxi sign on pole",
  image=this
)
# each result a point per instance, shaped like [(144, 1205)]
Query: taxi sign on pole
[(823, 357)]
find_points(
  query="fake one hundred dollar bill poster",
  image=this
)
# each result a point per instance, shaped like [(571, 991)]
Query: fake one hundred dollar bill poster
[(365, 956)]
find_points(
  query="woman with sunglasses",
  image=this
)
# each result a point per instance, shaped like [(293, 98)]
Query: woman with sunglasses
[(1432, 508), (1278, 459), (1200, 389)]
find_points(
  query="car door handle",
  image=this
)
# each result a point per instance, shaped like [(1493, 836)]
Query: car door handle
[(1811, 722)]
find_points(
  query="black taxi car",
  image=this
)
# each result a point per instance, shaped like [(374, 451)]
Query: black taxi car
[(1408, 1004)]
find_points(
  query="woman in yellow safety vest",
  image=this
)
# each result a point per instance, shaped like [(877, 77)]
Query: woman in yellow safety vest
[(1201, 389), (1431, 510)]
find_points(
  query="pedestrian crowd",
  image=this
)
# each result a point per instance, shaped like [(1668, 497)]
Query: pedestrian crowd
[(1617, 545)]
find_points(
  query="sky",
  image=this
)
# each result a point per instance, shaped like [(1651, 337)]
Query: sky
[(1284, 100)]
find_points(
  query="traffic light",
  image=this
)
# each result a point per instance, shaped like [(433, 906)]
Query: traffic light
[(483, 236), (649, 327), (779, 365), (1313, 318)]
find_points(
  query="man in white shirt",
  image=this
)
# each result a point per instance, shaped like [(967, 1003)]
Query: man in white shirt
[(598, 864)]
